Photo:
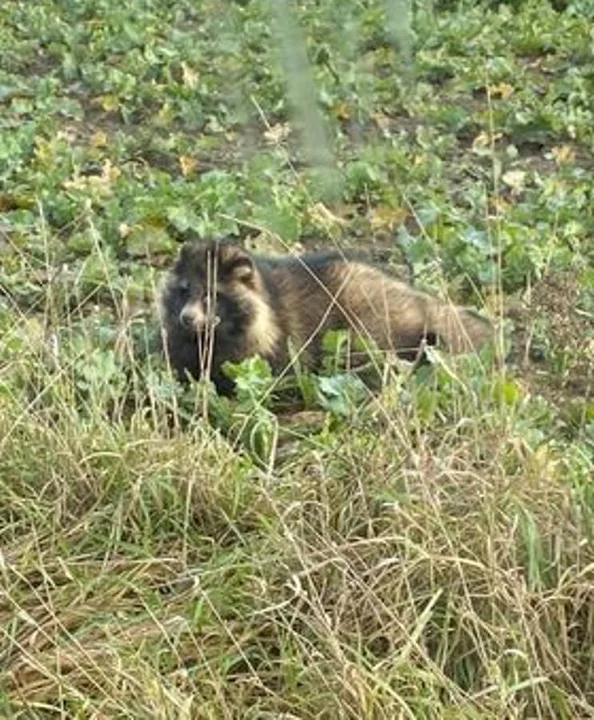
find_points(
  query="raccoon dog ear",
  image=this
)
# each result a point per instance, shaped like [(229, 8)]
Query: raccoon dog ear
[(236, 264)]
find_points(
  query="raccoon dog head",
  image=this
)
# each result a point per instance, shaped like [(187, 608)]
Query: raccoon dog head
[(211, 301)]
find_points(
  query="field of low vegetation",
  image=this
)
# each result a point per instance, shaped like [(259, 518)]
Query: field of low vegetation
[(307, 549)]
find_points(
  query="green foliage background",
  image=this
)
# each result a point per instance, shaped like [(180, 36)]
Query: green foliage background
[(426, 554)]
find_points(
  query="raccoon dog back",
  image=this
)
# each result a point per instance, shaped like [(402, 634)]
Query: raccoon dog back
[(222, 303)]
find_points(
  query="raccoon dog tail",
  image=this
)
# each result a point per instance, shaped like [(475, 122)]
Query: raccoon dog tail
[(460, 329)]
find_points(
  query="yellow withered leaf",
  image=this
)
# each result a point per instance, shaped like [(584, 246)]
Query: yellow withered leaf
[(277, 133), (110, 172), (322, 217), (504, 90), (188, 164), (481, 145), (190, 76), (500, 205), (515, 179), (109, 103), (341, 110), (98, 139), (165, 114), (563, 154), (386, 218)]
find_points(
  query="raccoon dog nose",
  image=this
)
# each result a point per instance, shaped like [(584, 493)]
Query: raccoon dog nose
[(187, 318), (193, 317)]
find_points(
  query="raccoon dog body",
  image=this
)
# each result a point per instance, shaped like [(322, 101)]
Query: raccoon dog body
[(222, 303)]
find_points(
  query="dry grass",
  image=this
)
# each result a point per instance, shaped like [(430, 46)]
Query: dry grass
[(428, 559)]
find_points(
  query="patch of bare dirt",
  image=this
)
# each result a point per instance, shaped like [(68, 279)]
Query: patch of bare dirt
[(555, 341)]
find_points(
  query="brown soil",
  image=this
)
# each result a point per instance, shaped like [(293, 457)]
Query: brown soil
[(554, 342)]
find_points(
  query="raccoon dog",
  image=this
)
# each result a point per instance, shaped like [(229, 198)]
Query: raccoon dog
[(221, 303)]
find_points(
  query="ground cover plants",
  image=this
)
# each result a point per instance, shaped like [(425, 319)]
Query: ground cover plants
[(307, 550)]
